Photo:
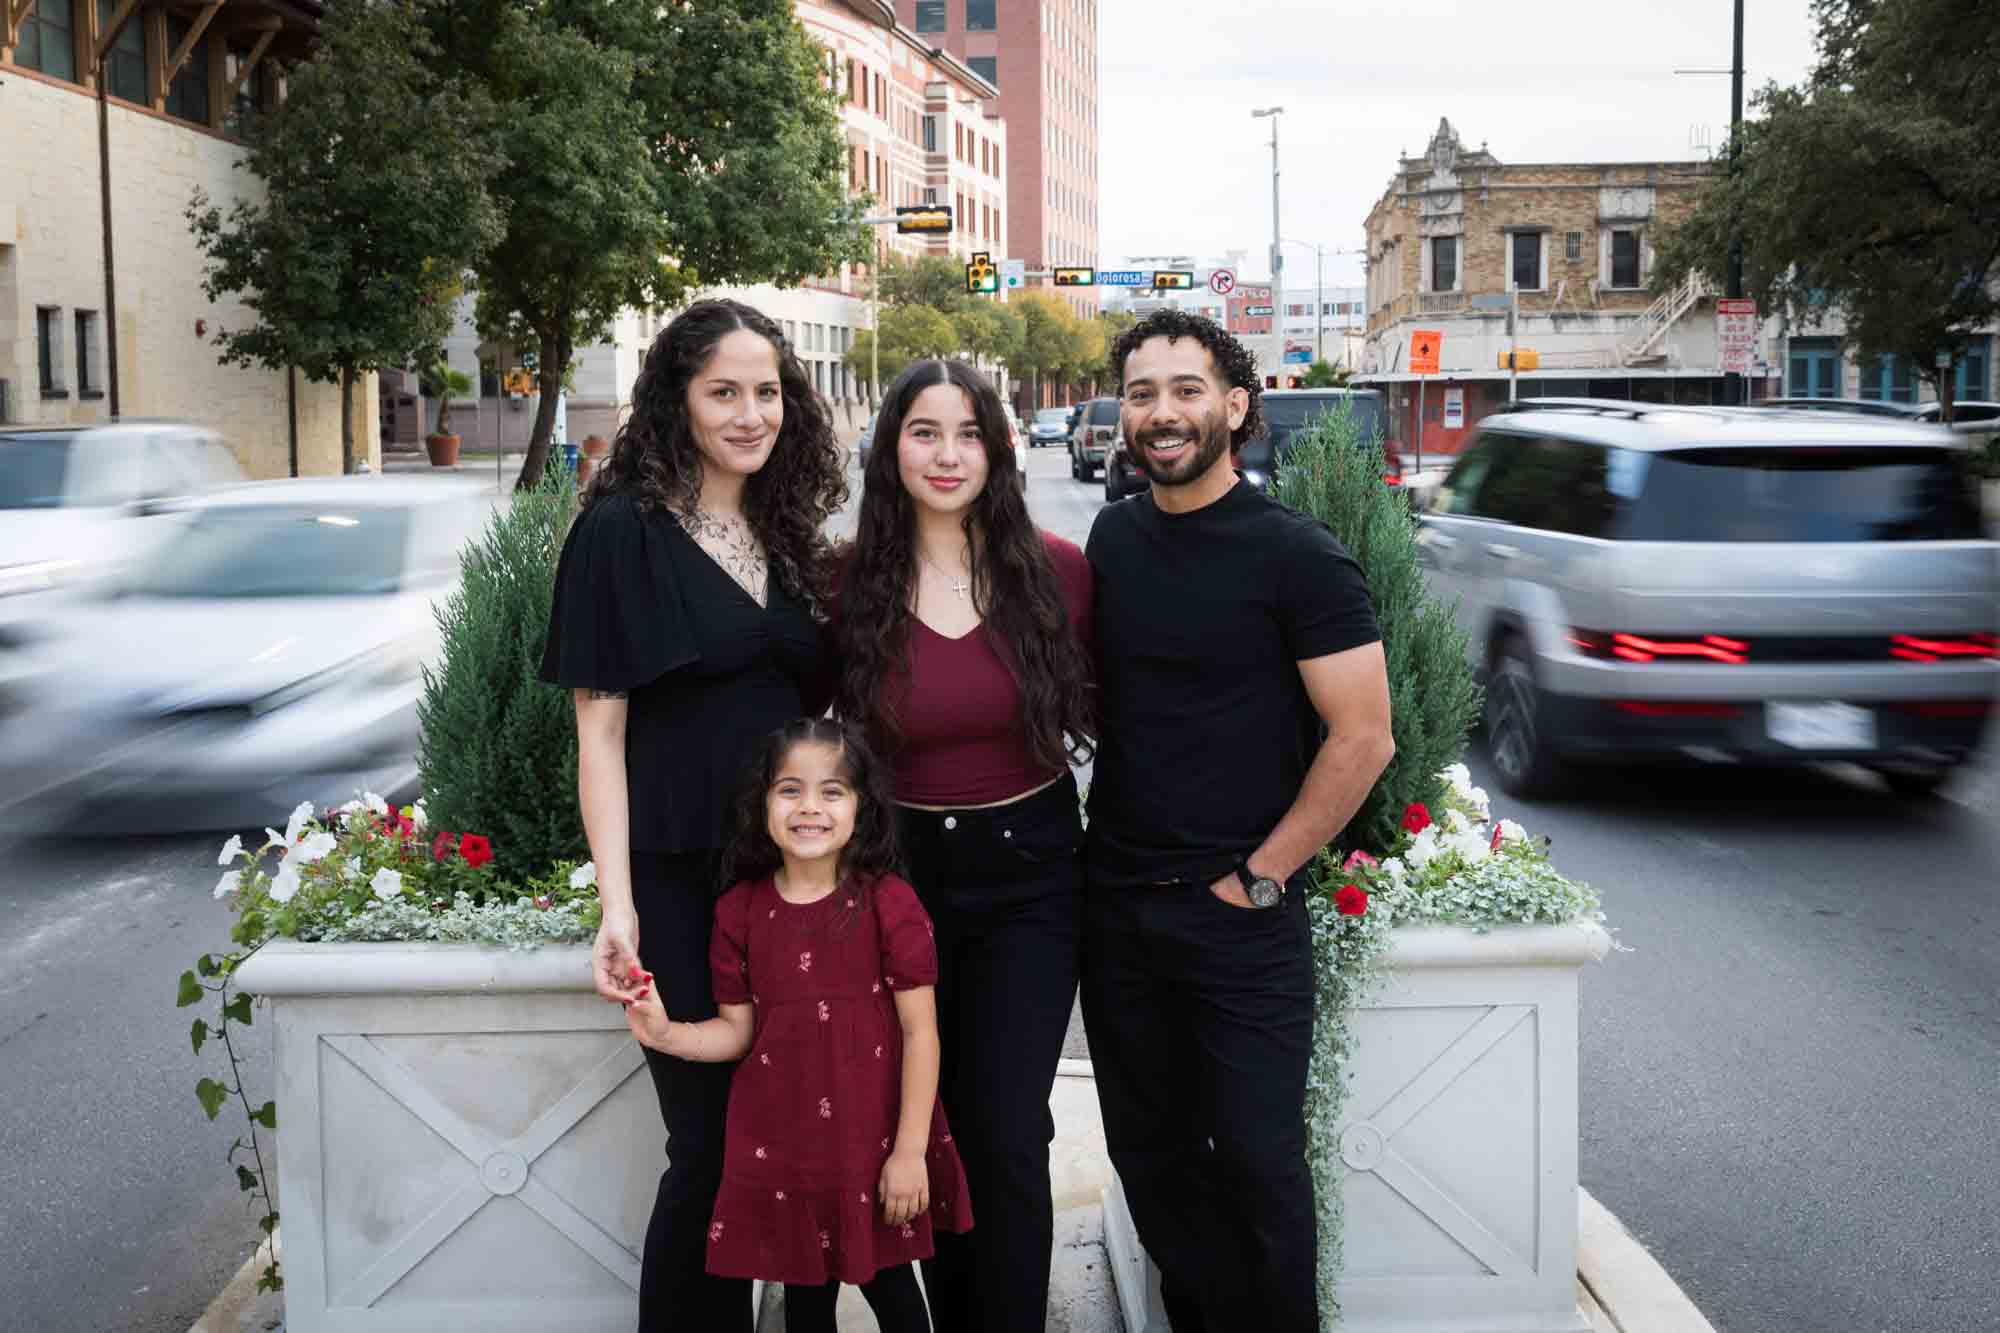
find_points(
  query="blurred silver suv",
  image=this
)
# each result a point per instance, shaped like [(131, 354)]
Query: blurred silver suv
[(1720, 585)]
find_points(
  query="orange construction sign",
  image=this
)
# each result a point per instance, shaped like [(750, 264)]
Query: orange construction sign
[(1424, 345)]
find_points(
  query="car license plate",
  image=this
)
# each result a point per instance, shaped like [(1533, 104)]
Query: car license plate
[(1821, 726)]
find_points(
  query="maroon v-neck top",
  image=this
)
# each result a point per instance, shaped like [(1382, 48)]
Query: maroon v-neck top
[(959, 709)]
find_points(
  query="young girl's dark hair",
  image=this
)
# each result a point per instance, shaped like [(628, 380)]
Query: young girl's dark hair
[(872, 852)]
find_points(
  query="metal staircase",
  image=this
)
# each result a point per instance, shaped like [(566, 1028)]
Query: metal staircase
[(1639, 341)]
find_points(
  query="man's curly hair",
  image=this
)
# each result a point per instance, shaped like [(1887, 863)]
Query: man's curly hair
[(1232, 359)]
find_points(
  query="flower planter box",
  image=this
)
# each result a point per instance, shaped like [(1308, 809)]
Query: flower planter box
[(1459, 1137), (468, 1139)]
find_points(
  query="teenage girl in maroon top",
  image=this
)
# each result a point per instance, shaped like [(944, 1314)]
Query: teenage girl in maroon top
[(962, 634)]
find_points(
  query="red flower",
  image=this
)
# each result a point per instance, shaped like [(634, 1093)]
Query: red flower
[(1494, 846), (442, 845), (475, 849), (1352, 900), (1415, 817)]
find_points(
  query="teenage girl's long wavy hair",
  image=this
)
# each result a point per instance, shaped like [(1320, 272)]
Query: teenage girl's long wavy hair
[(872, 852), (655, 460), (1014, 582)]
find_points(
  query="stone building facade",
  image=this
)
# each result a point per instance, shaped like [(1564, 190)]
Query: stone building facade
[(168, 131)]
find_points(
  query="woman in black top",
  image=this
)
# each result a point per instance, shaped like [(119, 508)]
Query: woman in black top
[(685, 622)]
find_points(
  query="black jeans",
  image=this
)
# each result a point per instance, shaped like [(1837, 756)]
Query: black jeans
[(1201, 1017), (1003, 887), (675, 896), (892, 1295)]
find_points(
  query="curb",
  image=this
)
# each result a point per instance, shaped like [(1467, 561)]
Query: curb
[(1635, 1294), (239, 1307)]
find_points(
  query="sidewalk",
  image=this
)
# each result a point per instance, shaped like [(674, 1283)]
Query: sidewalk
[(1620, 1287)]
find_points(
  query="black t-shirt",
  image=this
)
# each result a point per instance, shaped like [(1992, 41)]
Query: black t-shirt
[(1207, 730), (639, 607)]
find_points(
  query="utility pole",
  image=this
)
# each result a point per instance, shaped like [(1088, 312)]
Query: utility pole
[(1735, 385), (1277, 254)]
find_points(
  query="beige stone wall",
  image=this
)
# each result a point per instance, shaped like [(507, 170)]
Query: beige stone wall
[(51, 254)]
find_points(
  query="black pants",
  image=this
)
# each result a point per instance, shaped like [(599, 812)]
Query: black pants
[(675, 897), (892, 1295), (1003, 887), (1201, 1017)]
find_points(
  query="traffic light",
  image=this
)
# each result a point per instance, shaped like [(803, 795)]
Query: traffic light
[(1076, 277), (923, 220), (981, 277), (1179, 279), (1525, 358)]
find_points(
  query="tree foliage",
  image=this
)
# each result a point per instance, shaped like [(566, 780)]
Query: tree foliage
[(909, 333), (937, 281), (1325, 375), (1872, 190), (655, 149), (376, 201)]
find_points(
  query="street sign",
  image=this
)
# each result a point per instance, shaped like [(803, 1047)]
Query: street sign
[(1173, 279), (1124, 277), (981, 277), (1222, 281), (1258, 311), (1454, 409), (1076, 277), (1013, 273), (1298, 353), (1424, 347), (924, 220), (1736, 335)]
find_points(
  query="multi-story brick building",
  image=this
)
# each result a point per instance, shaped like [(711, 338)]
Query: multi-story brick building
[(179, 77), (1460, 240), (1043, 58)]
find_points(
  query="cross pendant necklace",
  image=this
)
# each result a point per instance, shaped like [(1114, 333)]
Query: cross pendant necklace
[(962, 587)]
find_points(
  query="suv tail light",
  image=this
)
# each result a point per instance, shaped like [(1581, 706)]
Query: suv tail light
[(1925, 648), (1392, 470), (1619, 647)]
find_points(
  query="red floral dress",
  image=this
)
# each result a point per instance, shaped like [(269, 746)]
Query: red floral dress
[(814, 1105)]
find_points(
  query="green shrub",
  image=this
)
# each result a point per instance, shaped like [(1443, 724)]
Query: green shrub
[(1332, 473), (499, 747)]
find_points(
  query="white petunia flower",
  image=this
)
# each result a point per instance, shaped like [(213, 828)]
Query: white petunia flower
[(272, 838), (315, 846), (231, 849), (229, 883), (1469, 845), (1398, 874), (1509, 831), (1479, 802), (352, 869), (584, 876), (374, 803), (285, 884), (1422, 848), (297, 823), (1456, 822), (387, 883), (419, 818), (1460, 778)]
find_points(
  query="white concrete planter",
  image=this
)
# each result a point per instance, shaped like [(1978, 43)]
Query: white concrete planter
[(467, 1139), (1460, 1141)]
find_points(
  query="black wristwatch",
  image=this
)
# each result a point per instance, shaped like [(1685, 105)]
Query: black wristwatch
[(1263, 891)]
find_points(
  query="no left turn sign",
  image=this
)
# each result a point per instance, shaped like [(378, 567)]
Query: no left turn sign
[(1222, 282)]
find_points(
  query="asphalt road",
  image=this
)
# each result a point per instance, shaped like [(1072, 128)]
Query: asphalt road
[(1791, 1085)]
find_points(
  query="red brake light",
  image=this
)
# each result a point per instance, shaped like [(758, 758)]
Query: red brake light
[(1676, 708), (1914, 648), (1710, 648)]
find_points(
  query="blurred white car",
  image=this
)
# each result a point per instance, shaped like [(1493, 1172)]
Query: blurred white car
[(270, 650)]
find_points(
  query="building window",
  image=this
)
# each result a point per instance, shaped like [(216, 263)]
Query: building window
[(1573, 247), (48, 348), (187, 95), (986, 67), (1974, 382), (930, 15), (1889, 379), (87, 383), (1624, 258), (979, 15), (1525, 270), (1444, 263), (125, 63), (930, 134), (47, 41), (1813, 366), (930, 196)]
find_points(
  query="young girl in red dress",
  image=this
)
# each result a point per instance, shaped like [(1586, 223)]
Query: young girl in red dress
[(837, 1161)]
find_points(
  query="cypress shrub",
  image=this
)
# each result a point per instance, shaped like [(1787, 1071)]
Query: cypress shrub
[(498, 746), (1332, 473)]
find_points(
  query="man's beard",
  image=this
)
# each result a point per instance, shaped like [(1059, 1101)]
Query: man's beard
[(1211, 441)]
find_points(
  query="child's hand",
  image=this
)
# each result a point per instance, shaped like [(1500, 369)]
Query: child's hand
[(647, 1017), (905, 1188)]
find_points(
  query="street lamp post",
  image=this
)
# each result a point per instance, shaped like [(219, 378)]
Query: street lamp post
[(1277, 254)]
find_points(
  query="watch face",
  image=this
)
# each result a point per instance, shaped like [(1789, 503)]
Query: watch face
[(1265, 892)]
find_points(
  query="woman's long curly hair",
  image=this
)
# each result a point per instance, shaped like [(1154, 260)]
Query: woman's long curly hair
[(1013, 582), (872, 852), (656, 461)]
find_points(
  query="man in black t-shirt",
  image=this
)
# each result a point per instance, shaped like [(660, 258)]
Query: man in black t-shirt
[(1245, 715)]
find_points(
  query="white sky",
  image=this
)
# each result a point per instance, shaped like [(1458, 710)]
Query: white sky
[(1185, 170)]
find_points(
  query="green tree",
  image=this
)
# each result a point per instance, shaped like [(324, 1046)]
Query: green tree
[(1872, 190), (656, 149), (909, 333), (937, 281), (376, 201), (1047, 342), (988, 331), (1325, 375)]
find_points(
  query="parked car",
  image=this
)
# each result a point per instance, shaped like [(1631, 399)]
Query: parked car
[(1092, 438), (1288, 411), (1719, 585), (1873, 407), (285, 627), (1050, 426), (78, 501), (1122, 476)]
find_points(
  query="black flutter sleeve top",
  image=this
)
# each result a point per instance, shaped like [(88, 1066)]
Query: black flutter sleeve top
[(640, 608)]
